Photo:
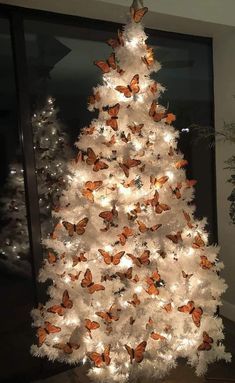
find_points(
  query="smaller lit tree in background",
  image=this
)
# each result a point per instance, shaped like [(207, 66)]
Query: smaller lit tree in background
[(51, 151)]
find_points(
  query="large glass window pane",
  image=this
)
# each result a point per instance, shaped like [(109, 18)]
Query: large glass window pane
[(60, 64), (16, 283)]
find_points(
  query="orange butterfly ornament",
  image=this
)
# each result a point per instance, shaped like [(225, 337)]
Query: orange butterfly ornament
[(148, 60), (79, 258), (205, 263), (135, 300), (196, 313), (107, 65), (68, 347), (131, 89), (91, 325), (113, 113), (142, 260), (110, 315), (198, 242), (92, 159), (42, 332), (111, 259), (151, 281), (89, 188), (102, 359), (138, 14), (125, 275), (143, 228), (60, 309), (89, 284), (125, 234), (136, 128), (136, 354), (175, 238), (128, 164), (206, 343), (78, 228)]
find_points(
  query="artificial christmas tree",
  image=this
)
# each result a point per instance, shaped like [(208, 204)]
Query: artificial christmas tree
[(51, 152), (135, 283)]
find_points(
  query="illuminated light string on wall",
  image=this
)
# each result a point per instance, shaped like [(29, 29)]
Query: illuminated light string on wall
[(127, 255)]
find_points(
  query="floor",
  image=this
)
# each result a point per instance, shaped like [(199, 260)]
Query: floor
[(218, 373)]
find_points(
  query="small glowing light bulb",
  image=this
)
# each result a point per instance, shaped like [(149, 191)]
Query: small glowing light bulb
[(67, 279), (56, 338), (137, 145), (125, 262), (138, 289), (170, 175), (108, 248), (167, 137), (133, 42)]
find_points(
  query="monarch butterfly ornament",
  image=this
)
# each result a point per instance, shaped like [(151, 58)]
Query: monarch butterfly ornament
[(196, 312), (142, 260), (92, 159), (136, 354), (131, 89), (206, 344), (138, 14), (44, 331), (60, 309), (100, 359), (111, 259), (78, 228), (113, 113), (88, 283)]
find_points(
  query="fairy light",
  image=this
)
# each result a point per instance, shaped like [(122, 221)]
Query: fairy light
[(125, 262), (170, 175), (167, 137), (137, 145), (133, 42), (108, 248), (104, 201), (138, 289), (55, 338), (66, 279), (84, 360)]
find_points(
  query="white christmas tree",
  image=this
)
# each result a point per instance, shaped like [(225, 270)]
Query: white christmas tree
[(135, 283), (51, 154)]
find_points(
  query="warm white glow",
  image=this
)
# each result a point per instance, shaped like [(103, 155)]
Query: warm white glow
[(125, 262), (108, 248), (138, 289), (138, 145), (104, 201), (126, 191), (56, 338), (167, 137), (170, 175), (133, 42), (67, 279)]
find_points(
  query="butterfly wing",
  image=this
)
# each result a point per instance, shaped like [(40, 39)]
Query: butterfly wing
[(196, 316), (130, 352), (100, 165), (96, 358), (69, 227), (106, 256), (91, 156), (104, 66), (41, 334), (95, 287), (135, 260), (125, 169), (117, 257), (155, 227), (66, 302), (51, 257), (87, 280), (156, 336), (139, 352), (56, 309), (138, 14), (142, 227), (134, 84), (112, 61), (144, 258), (106, 355), (91, 325), (81, 225)]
